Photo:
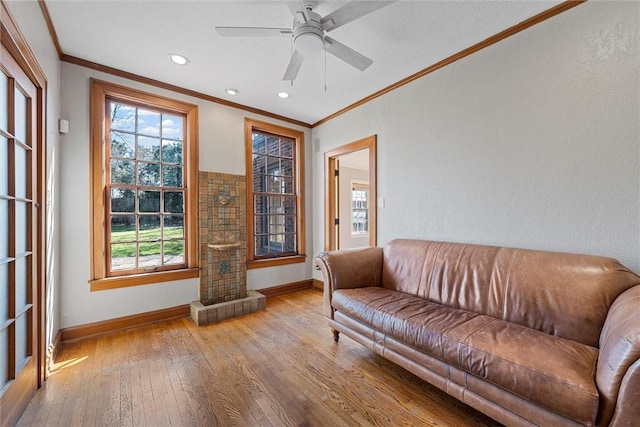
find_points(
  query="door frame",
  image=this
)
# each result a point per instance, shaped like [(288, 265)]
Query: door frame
[(331, 206), (13, 41)]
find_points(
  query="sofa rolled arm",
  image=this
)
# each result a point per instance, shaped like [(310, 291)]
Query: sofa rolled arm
[(350, 268), (618, 368)]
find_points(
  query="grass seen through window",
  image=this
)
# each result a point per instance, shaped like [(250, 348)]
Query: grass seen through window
[(126, 237)]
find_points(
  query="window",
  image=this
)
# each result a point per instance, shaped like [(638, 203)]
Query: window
[(144, 171), (275, 225), (359, 209)]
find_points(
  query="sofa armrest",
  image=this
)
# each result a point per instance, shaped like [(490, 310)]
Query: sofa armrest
[(618, 369), (351, 268)]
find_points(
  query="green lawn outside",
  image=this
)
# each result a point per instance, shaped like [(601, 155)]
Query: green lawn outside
[(122, 234)]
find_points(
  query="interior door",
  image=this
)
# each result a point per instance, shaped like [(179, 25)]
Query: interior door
[(18, 239), (333, 220)]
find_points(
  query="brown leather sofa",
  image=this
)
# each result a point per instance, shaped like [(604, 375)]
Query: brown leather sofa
[(527, 337)]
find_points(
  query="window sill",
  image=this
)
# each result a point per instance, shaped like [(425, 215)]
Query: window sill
[(142, 279), (273, 262)]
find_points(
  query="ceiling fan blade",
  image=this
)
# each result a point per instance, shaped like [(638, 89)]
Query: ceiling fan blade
[(350, 12), (347, 54), (253, 31), (298, 10), (294, 66)]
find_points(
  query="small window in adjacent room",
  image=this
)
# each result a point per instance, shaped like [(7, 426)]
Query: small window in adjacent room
[(144, 161), (275, 215), (359, 209)]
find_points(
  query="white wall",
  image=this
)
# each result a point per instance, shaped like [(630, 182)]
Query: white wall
[(347, 176), (532, 142), (34, 29), (221, 150)]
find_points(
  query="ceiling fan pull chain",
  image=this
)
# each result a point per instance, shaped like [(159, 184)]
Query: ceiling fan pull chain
[(291, 48), (325, 70)]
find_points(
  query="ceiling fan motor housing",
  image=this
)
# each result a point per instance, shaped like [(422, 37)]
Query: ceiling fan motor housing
[(308, 37)]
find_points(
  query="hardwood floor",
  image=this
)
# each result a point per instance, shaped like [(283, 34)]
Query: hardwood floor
[(277, 367)]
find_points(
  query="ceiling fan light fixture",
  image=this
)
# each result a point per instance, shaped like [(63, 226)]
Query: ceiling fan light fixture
[(309, 43), (283, 95), (231, 91), (178, 59)]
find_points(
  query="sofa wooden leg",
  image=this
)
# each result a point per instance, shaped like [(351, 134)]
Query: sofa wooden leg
[(336, 335)]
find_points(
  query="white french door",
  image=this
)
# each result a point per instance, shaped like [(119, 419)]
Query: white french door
[(18, 239)]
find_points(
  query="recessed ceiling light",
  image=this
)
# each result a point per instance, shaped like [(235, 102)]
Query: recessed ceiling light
[(178, 59), (283, 95), (231, 91)]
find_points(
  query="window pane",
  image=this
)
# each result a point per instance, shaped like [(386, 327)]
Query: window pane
[(123, 145), (261, 224), (149, 174), (4, 295), (172, 176), (21, 282), (290, 223), (4, 108), (260, 204), (123, 200), (21, 220), (174, 201), (275, 184), (149, 227), (286, 167), (4, 164), (4, 360), (287, 185), (23, 336), (262, 245), (289, 205), (150, 254), (172, 151), (149, 201), (173, 227), (286, 148), (148, 148), (148, 122), (273, 146), (123, 256), (4, 228), (259, 146), (289, 245), (172, 127), (273, 165), (275, 244), (20, 119), (123, 172), (21, 171), (123, 117), (123, 228), (275, 204), (259, 165), (173, 252)]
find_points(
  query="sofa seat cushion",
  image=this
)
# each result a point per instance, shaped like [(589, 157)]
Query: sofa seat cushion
[(551, 371)]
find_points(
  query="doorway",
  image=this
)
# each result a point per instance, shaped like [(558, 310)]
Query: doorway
[(350, 195), (21, 232)]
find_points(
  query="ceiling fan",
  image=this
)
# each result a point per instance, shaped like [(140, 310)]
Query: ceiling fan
[(310, 30)]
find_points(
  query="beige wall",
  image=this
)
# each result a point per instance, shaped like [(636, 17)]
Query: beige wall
[(532, 142)]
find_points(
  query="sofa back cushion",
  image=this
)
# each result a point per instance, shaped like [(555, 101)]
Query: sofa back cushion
[(567, 295)]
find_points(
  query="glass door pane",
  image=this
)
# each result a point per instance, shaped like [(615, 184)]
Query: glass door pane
[(4, 101)]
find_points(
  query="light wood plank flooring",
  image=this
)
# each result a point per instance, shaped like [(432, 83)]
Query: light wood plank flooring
[(278, 367)]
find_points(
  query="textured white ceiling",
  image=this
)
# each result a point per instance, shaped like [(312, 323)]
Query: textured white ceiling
[(402, 39)]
